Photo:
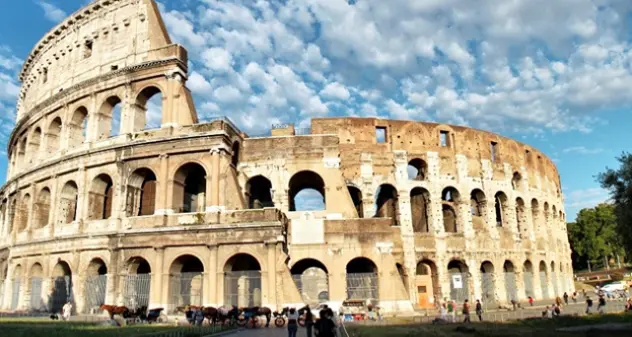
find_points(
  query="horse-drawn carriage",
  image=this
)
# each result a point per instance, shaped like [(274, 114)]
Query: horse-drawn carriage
[(139, 315)]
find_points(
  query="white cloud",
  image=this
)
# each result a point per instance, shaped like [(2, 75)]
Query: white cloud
[(52, 12), (227, 94), (335, 90), (584, 198), (198, 84), (582, 150), (218, 59)]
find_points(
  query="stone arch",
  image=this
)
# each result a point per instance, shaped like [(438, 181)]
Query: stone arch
[(77, 127), (41, 209), (100, 197), (312, 280), (242, 281), (22, 213), (186, 281), (419, 203), (53, 135), (96, 267), (527, 273), (235, 156), (11, 214), (62, 291), (427, 284), (138, 265), (387, 203), (362, 279), (95, 285), (356, 198), (137, 283), (450, 199), (516, 181), (35, 143), (22, 152), (148, 109), (544, 282), (189, 189), (546, 214), (511, 288), (141, 192), (259, 192), (488, 282), (109, 118), (521, 216), (417, 169), (500, 208), (458, 272), (68, 203), (36, 275), (478, 209), (304, 185)]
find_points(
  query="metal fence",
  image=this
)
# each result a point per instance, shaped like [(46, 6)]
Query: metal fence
[(362, 286), (488, 288), (15, 295), (528, 284), (544, 285), (62, 292), (136, 291), (511, 289), (36, 294), (242, 289), (313, 288), (186, 289), (94, 293), (459, 287)]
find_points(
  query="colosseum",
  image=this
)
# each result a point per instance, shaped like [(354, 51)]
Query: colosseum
[(105, 208)]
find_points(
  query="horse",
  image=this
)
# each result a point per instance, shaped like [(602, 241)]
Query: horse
[(259, 311), (112, 310)]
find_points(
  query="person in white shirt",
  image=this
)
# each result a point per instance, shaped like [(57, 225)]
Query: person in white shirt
[(66, 310), (292, 322)]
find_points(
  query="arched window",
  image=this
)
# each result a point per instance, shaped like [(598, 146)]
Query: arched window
[(141, 193), (500, 207), (419, 201), (242, 281), (450, 198), (511, 288), (307, 192), (427, 282), (520, 216), (527, 269), (41, 209), (95, 285), (35, 141), (362, 279), (137, 283), (259, 192), (488, 285), (417, 169), (356, 198), (516, 181), (53, 135), (22, 214), (68, 203), (109, 118), (77, 127), (458, 272), (36, 275), (148, 109), (62, 286), (189, 185), (22, 152), (387, 203), (101, 195), (478, 208), (311, 279), (186, 282)]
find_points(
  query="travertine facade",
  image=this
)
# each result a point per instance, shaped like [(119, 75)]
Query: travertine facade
[(200, 213)]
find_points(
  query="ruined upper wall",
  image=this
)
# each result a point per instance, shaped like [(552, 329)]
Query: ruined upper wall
[(102, 37)]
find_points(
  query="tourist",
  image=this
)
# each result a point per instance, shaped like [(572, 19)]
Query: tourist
[(66, 310), (451, 311), (530, 301), (479, 310), (325, 327), (565, 298), (574, 297), (557, 310), (589, 304), (628, 305), (602, 304), (292, 322), (466, 312), (443, 312), (198, 317), (558, 301), (547, 313), (309, 320)]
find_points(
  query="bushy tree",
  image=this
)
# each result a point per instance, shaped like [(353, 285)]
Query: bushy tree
[(619, 183)]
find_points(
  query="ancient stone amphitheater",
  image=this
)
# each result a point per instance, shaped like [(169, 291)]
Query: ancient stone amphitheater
[(107, 208)]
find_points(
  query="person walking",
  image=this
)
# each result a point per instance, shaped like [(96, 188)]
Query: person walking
[(325, 327), (565, 298), (309, 321), (292, 323), (602, 304), (466, 312), (530, 301), (443, 312), (589, 304), (479, 310), (574, 297), (451, 311), (66, 311)]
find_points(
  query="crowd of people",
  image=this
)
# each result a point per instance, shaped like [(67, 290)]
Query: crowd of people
[(324, 326)]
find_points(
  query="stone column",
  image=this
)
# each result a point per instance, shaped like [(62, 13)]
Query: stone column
[(272, 279), (477, 284), (54, 200), (164, 199), (210, 284), (520, 286), (157, 298), (213, 201), (112, 278), (83, 202)]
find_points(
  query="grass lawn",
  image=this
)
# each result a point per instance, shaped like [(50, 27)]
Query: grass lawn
[(14, 327), (534, 327)]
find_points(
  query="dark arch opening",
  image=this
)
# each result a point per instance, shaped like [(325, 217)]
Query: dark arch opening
[(190, 189), (419, 201), (62, 286), (307, 192), (148, 114), (387, 203), (311, 279), (101, 196), (449, 200), (242, 262), (53, 136), (109, 119), (235, 156), (186, 282), (301, 266), (77, 128), (417, 169), (68, 202), (259, 192), (500, 207), (356, 198), (516, 180), (141, 193)]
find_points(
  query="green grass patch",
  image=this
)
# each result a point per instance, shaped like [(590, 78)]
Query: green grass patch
[(20, 327), (532, 327)]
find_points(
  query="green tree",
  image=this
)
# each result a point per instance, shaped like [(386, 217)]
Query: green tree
[(593, 236), (619, 183)]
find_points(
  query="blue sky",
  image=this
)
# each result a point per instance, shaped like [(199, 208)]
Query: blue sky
[(553, 74)]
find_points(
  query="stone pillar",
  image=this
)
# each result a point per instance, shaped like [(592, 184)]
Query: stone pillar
[(157, 294), (92, 133), (54, 200), (464, 218), (83, 202), (272, 279), (500, 291), (112, 278), (213, 201), (128, 111), (520, 286), (435, 220), (170, 98), (210, 284), (477, 285), (164, 199), (537, 286)]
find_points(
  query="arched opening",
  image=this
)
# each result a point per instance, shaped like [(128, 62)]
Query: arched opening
[(362, 279), (109, 118), (450, 198), (458, 272), (307, 192), (511, 289), (546, 216), (22, 153), (427, 284), (100, 197), (242, 281), (527, 273), (148, 109), (516, 180), (11, 214), (68, 203), (387, 203), (37, 274), (544, 283), (500, 207), (16, 284), (186, 276), (35, 141), (259, 192), (554, 280), (312, 280), (189, 189), (417, 169), (77, 127), (41, 209), (356, 198), (141, 193), (535, 215), (95, 285), (22, 214), (53, 135), (235, 157), (488, 284), (521, 217), (419, 201), (137, 284), (478, 208), (62, 286)]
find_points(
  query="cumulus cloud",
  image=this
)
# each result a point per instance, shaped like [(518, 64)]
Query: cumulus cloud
[(52, 12), (584, 198), (335, 90), (582, 150)]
